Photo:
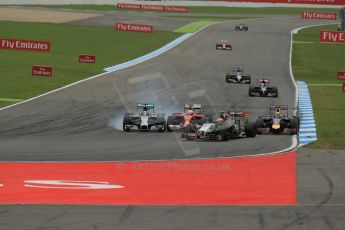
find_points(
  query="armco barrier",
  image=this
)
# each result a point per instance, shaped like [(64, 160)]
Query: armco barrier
[(149, 55)]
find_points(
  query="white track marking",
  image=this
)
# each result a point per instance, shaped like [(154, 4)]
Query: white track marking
[(68, 184)]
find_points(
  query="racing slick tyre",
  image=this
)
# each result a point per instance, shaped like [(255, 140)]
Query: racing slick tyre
[(249, 79), (161, 120), (293, 126), (250, 129), (227, 135), (127, 121), (275, 89), (298, 118), (170, 121), (190, 128), (259, 124), (227, 78), (251, 88)]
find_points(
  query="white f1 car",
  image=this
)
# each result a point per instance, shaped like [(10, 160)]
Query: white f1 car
[(144, 119), (238, 76), (241, 27)]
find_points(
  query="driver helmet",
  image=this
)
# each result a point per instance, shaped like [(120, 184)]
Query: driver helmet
[(220, 121), (190, 112), (144, 113)]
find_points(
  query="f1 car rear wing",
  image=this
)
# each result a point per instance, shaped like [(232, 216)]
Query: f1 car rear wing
[(263, 81), (238, 114), (280, 107), (235, 114), (192, 106), (148, 106)]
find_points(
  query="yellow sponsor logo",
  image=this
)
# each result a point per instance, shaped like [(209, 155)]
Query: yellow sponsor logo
[(275, 126)]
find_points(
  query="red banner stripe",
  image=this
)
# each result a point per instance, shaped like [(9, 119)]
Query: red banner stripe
[(133, 27), (332, 36), (84, 58), (31, 45), (319, 15), (46, 71), (341, 75)]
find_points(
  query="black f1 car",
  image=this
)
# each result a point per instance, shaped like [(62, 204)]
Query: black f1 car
[(263, 89), (278, 122), (238, 76), (144, 119), (230, 125), (223, 45), (241, 27)]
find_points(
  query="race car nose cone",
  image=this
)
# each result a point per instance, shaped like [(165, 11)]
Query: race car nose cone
[(275, 126)]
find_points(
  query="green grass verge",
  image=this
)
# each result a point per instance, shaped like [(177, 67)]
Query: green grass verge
[(263, 10), (205, 9), (68, 41), (216, 18), (318, 63), (8, 101), (193, 27)]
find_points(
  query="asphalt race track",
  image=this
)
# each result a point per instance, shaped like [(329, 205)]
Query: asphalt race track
[(77, 123)]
